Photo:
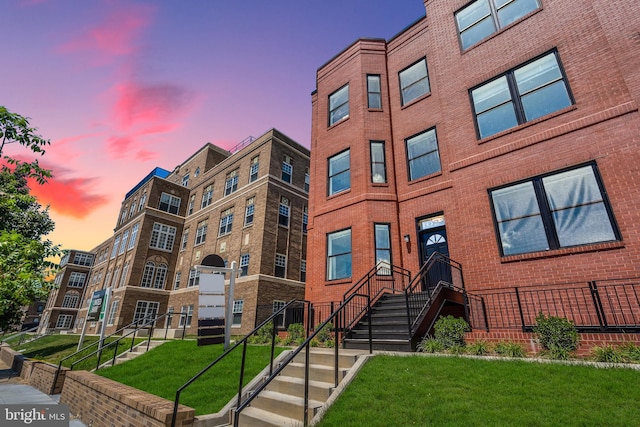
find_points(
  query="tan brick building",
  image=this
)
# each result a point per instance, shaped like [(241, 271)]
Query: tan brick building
[(64, 302), (247, 206), (503, 134)]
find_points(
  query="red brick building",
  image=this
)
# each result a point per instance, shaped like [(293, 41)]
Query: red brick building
[(503, 134)]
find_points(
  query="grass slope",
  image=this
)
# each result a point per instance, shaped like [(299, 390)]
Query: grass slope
[(162, 371), (449, 391)]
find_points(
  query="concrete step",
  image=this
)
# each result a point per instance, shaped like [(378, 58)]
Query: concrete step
[(318, 390), (316, 372), (285, 405), (326, 356), (254, 417)]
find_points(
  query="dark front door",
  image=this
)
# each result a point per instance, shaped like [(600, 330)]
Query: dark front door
[(435, 240)]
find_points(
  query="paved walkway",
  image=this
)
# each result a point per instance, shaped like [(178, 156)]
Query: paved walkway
[(13, 390)]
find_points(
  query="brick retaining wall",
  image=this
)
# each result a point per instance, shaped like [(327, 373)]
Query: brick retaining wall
[(100, 402)]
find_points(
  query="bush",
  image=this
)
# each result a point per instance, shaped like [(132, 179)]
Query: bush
[(631, 352), (262, 335), (430, 345), (296, 334), (449, 331), (478, 348), (325, 335), (509, 349), (608, 353), (556, 334)]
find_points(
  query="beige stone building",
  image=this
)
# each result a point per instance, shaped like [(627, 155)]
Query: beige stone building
[(248, 205)]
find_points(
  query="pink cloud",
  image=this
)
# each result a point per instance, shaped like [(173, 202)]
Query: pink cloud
[(69, 197), (113, 37), (64, 147), (155, 104), (144, 155)]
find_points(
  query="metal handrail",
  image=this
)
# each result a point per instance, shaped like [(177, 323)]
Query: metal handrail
[(149, 321), (237, 344), (306, 345), (366, 279), (19, 334)]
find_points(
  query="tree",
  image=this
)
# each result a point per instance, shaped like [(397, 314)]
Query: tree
[(15, 128), (24, 253)]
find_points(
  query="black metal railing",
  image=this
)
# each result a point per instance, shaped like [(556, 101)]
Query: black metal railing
[(381, 279), (602, 305), (439, 271), (338, 318), (136, 326), (290, 316), (292, 306)]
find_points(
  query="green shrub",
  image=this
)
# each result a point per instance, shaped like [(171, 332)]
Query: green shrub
[(559, 353), (509, 349), (607, 353), (430, 345), (631, 352), (325, 335), (458, 350), (296, 334), (262, 335), (478, 348), (450, 331), (556, 334)]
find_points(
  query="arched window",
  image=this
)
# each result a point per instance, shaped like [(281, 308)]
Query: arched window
[(147, 276), (161, 276)]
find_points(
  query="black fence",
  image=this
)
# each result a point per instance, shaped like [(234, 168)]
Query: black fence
[(607, 305)]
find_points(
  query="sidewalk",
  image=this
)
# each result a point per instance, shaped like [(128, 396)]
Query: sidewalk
[(14, 391)]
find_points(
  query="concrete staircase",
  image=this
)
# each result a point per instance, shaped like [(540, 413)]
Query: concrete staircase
[(281, 404), (138, 350)]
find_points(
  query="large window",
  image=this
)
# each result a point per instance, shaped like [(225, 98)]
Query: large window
[(226, 222), (422, 154), (383, 244), (481, 18), (339, 105), (374, 94), (123, 278), (194, 277), (283, 212), (525, 93), (64, 321), (71, 300), (192, 202), (207, 196), (83, 259), (378, 164), (186, 315), (201, 233), (76, 279), (339, 172), (134, 235), (112, 312), (114, 250), (414, 81), (162, 237), (123, 244), (147, 275), (169, 203), (231, 183), (553, 211), (238, 306), (339, 255), (145, 310), (161, 276)]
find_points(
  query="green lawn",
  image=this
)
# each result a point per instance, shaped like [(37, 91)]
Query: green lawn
[(53, 348), (166, 368), (451, 391)]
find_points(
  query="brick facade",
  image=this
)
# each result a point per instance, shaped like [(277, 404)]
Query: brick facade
[(595, 41), (134, 270)]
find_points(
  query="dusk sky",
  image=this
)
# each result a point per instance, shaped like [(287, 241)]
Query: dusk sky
[(120, 86)]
